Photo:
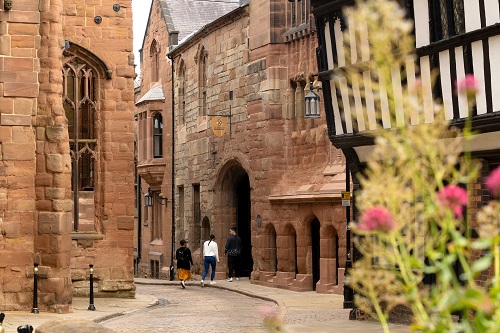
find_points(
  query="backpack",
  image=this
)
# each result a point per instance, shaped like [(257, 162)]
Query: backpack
[(181, 255)]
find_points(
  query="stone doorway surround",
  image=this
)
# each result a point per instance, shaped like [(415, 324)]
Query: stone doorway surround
[(232, 207)]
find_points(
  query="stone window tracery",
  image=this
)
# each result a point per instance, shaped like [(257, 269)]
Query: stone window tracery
[(297, 18), (202, 81), (80, 82), (447, 19)]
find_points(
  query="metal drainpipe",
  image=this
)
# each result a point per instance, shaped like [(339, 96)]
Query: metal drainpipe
[(139, 219), (173, 174)]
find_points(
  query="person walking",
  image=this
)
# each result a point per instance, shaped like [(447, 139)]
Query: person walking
[(210, 255), (233, 251), (184, 262)]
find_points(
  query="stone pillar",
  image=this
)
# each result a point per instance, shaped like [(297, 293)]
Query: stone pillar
[(18, 98), (53, 163), (149, 136), (299, 101)]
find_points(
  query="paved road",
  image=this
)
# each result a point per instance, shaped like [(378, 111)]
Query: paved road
[(194, 309)]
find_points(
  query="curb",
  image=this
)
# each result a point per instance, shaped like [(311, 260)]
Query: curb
[(278, 302)]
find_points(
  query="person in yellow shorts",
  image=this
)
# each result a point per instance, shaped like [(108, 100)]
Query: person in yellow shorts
[(184, 262)]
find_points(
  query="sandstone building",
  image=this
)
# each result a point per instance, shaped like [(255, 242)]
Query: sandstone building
[(66, 143), (228, 95)]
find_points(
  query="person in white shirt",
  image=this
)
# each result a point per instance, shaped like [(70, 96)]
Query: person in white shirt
[(210, 255)]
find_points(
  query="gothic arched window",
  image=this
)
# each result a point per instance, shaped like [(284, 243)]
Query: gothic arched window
[(153, 53), (80, 81), (202, 81)]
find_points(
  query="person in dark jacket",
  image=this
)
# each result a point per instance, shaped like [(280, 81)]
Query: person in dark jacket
[(184, 262), (233, 251)]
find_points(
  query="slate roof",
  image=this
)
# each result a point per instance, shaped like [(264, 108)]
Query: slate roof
[(188, 16), (154, 94)]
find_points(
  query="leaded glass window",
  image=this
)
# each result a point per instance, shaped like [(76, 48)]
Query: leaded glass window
[(157, 135), (80, 105), (447, 19)]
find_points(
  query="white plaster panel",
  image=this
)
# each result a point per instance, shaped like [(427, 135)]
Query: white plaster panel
[(398, 95), (411, 79), (344, 90), (339, 41), (425, 69), (472, 15), (492, 12), (478, 64), (421, 13), (462, 100), (336, 111), (358, 104), (329, 52), (494, 43), (446, 87), (384, 102), (370, 102)]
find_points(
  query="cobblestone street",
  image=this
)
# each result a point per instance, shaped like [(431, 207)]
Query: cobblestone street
[(193, 309)]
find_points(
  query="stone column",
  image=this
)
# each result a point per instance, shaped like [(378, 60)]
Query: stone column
[(149, 137), (53, 162)]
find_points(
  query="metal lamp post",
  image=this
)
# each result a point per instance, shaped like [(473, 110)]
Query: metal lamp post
[(35, 289), (91, 294)]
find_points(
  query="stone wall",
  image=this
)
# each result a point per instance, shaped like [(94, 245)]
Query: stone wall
[(36, 220), (110, 246), (295, 174), (20, 42)]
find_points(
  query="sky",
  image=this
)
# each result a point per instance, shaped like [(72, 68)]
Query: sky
[(140, 12)]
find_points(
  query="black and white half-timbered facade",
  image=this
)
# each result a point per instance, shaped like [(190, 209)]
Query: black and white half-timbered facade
[(452, 38)]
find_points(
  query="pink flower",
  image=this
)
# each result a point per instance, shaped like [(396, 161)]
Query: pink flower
[(468, 86), (376, 219), (493, 182), (454, 198)]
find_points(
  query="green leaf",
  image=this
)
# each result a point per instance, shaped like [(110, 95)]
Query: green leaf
[(482, 243), (482, 264)]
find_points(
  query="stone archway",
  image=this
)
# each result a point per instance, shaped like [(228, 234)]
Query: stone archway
[(329, 260), (288, 247), (233, 208), (269, 255)]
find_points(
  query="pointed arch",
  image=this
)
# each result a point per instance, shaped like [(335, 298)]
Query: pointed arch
[(82, 74), (181, 77), (73, 50), (154, 58), (269, 246), (202, 57)]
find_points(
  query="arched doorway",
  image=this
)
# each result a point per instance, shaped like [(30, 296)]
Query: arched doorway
[(243, 217), (315, 247), (233, 208)]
